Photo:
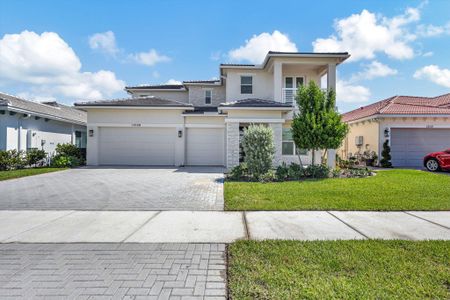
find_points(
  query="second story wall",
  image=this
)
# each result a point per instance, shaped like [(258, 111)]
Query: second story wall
[(181, 96), (197, 95), (262, 85)]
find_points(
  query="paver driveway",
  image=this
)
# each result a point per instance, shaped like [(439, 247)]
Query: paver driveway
[(116, 188)]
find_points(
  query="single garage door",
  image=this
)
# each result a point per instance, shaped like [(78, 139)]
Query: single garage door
[(205, 146), (137, 146), (410, 145)]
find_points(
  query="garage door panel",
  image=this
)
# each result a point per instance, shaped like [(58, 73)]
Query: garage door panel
[(205, 146), (410, 145), (137, 146)]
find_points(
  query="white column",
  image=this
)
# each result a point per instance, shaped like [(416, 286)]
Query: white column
[(277, 81), (277, 129), (331, 77), (331, 85), (92, 146), (232, 144)]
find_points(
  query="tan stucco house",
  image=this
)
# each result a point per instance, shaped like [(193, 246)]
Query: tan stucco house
[(200, 122), (413, 126)]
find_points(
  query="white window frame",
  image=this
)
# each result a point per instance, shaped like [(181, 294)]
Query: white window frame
[(294, 78), (294, 148), (240, 84), (210, 97)]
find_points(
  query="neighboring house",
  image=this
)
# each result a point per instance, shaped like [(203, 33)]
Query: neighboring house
[(414, 126), (200, 122), (27, 124)]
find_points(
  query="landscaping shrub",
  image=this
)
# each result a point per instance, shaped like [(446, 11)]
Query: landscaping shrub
[(68, 150), (12, 159), (35, 156), (270, 176), (386, 155), (64, 161), (259, 149), (238, 173), (282, 172), (317, 171)]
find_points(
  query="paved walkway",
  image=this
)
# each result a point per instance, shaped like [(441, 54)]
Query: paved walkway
[(112, 271), (216, 226)]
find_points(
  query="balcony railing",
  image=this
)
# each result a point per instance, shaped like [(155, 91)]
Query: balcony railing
[(289, 95)]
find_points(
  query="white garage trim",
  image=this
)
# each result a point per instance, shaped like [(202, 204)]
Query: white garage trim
[(204, 126), (137, 125)]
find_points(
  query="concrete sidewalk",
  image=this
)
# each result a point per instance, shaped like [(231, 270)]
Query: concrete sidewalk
[(216, 226)]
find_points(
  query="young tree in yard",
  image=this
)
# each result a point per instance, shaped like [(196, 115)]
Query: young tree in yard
[(318, 125), (259, 149)]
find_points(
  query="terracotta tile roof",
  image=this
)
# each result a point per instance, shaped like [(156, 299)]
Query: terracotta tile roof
[(402, 105), (51, 109)]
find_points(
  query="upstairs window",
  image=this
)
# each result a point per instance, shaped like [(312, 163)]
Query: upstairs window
[(246, 85), (208, 96)]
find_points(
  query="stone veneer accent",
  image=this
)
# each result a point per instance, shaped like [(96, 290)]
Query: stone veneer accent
[(232, 144), (197, 95), (277, 139)]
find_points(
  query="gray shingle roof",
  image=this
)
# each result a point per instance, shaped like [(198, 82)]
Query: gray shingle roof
[(51, 110), (255, 102), (157, 87), (201, 81), (148, 101)]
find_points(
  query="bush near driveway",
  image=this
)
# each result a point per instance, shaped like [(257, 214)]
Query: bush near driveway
[(369, 269), (388, 190)]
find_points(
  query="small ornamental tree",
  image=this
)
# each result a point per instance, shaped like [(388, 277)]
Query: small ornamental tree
[(386, 155), (318, 125), (259, 149)]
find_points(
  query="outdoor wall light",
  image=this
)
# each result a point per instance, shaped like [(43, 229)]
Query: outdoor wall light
[(386, 132), (91, 132), (180, 133)]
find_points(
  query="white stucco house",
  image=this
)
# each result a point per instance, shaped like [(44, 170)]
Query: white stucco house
[(199, 123), (27, 124)]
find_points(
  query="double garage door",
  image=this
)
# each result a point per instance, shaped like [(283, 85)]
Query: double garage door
[(158, 146), (410, 145)]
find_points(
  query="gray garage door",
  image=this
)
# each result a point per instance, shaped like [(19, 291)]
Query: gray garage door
[(410, 145), (205, 146), (137, 146)]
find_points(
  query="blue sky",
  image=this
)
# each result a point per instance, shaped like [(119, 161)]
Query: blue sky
[(71, 50)]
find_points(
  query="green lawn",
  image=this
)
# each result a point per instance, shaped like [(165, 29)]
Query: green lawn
[(370, 269), (4, 175), (388, 190)]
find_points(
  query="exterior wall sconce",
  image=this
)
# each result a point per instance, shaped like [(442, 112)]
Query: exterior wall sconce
[(180, 133), (91, 132), (386, 133)]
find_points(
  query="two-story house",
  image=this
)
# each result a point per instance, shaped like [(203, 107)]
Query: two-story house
[(200, 122)]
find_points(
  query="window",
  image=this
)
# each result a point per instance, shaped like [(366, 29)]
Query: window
[(288, 145), (289, 82), (208, 96), (246, 85)]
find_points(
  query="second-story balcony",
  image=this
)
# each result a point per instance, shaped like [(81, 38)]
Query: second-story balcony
[(288, 95)]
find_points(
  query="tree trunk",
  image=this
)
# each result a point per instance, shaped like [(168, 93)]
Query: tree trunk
[(313, 162), (300, 160)]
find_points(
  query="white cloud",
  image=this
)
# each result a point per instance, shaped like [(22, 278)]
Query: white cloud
[(428, 54), (373, 70), (430, 30), (216, 55), (150, 58), (256, 48), (435, 74), (349, 93), (46, 63), (365, 34), (155, 74), (173, 81), (105, 42)]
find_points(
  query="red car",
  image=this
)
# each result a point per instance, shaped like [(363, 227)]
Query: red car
[(437, 161)]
